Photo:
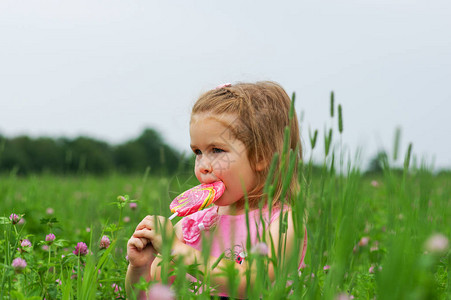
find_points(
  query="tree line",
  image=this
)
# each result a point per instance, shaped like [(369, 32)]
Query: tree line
[(24, 155)]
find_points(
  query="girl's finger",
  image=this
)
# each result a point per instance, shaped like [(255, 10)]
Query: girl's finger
[(144, 233), (138, 243), (147, 222), (143, 220), (145, 241)]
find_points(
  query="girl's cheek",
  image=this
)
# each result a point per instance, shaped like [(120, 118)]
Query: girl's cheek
[(222, 163), (219, 170), (196, 171)]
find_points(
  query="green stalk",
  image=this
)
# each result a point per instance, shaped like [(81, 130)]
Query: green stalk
[(313, 139), (327, 141), (248, 241), (7, 262), (269, 185), (286, 141)]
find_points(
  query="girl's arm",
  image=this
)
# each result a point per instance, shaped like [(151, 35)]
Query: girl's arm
[(192, 256)]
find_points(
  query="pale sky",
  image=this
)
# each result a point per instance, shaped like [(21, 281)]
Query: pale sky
[(109, 69)]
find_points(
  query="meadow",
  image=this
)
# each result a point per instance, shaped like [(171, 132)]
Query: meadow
[(381, 235)]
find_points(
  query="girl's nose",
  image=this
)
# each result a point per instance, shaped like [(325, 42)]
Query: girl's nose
[(205, 165)]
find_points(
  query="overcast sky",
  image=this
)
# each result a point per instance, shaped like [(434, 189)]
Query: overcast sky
[(109, 69)]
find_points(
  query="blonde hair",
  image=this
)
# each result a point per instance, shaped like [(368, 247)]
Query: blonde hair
[(262, 111)]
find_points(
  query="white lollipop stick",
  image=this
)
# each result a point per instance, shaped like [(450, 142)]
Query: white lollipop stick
[(173, 216)]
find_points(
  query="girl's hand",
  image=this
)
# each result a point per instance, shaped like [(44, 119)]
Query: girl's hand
[(155, 229), (140, 252)]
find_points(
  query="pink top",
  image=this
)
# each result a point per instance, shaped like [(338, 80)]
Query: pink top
[(230, 232)]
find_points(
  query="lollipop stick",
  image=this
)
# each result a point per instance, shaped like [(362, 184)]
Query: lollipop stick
[(173, 216)]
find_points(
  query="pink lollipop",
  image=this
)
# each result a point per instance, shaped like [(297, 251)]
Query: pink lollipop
[(196, 199)]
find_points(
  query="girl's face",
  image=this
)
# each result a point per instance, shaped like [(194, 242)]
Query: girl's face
[(220, 156)]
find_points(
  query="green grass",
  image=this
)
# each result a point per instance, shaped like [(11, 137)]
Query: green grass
[(397, 214)]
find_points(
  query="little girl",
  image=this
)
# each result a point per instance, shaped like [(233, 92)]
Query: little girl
[(235, 131)]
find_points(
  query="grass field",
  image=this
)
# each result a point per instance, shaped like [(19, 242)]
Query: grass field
[(368, 235)]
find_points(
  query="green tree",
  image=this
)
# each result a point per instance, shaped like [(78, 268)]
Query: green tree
[(15, 156), (159, 156), (130, 157), (46, 154), (88, 155)]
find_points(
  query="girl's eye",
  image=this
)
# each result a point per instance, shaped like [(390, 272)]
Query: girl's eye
[(217, 150)]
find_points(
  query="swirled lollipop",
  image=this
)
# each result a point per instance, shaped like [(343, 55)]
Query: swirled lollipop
[(196, 198)]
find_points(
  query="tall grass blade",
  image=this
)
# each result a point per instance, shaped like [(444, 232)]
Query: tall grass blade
[(396, 143), (407, 158), (340, 119)]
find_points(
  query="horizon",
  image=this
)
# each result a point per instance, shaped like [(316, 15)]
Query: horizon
[(111, 70)]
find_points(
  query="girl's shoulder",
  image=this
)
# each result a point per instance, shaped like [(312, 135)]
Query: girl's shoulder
[(275, 211), (258, 215)]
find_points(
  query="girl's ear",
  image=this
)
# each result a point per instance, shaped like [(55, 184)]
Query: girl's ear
[(261, 165)]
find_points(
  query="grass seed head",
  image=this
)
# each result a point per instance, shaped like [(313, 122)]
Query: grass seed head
[(340, 119), (332, 100)]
